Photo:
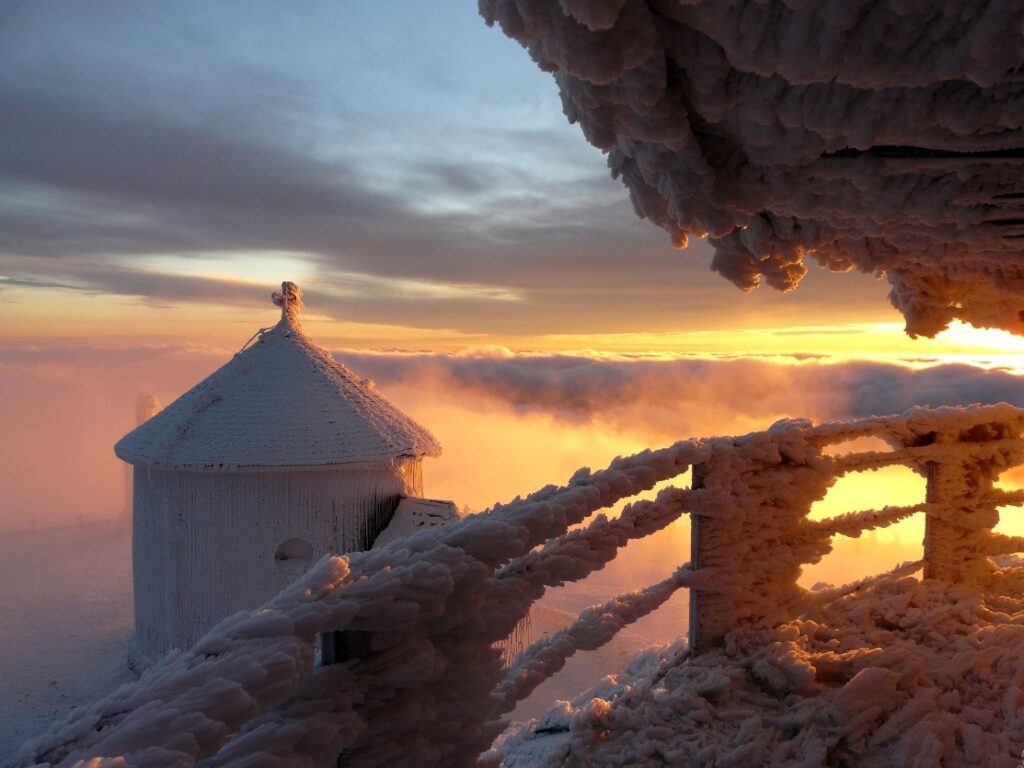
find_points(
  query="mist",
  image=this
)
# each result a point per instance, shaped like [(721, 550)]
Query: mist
[(508, 423)]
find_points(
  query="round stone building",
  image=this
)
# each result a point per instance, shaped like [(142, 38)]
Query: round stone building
[(279, 457)]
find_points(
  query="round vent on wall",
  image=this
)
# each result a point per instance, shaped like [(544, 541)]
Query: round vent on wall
[(293, 556)]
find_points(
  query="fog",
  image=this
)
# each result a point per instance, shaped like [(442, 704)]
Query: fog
[(508, 423), (63, 409)]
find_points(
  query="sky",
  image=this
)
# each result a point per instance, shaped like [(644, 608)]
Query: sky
[(164, 166)]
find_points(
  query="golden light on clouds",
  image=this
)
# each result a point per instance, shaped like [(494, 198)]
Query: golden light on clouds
[(41, 314), (961, 343), (263, 268)]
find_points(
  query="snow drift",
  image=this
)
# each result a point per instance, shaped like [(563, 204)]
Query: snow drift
[(905, 673), (885, 137)]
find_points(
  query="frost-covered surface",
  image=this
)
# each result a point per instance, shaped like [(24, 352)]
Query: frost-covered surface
[(435, 604), (67, 618), (904, 673), (584, 669), (840, 130), (209, 544), (414, 513), (65, 623), (435, 608), (280, 402)]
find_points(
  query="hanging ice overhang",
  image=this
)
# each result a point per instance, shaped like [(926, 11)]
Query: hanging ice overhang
[(879, 136)]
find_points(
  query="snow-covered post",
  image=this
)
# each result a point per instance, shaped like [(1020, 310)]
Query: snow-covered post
[(941, 534), (696, 634), (957, 528), (749, 530)]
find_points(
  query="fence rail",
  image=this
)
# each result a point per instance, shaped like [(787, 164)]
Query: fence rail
[(760, 502), (427, 685)]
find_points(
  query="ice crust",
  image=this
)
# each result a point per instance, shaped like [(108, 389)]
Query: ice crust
[(845, 131), (904, 673), (281, 402)]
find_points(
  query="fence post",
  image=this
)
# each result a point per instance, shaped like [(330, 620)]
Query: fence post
[(695, 632), (939, 536), (954, 534)]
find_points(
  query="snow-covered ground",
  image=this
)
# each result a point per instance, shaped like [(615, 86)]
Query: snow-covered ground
[(66, 603), (904, 673)]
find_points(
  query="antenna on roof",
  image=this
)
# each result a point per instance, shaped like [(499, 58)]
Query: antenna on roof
[(289, 299)]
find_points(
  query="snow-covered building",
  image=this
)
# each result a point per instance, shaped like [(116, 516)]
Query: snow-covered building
[(277, 458)]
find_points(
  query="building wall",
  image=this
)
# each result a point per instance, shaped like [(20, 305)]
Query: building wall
[(208, 544)]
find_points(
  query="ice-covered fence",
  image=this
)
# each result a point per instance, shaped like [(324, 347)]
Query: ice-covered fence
[(751, 533), (427, 685)]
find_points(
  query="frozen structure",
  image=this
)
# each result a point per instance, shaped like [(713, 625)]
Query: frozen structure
[(888, 671), (277, 458), (413, 515), (886, 136)]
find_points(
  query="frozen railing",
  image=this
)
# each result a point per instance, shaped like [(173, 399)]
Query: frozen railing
[(751, 533), (423, 682)]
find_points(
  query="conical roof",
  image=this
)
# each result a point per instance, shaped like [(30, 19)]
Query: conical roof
[(280, 402)]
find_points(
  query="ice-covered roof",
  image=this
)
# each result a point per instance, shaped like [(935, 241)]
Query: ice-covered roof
[(280, 402)]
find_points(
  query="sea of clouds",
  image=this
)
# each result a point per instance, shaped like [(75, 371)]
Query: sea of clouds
[(509, 422)]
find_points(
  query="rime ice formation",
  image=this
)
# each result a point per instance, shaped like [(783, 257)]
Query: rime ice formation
[(876, 671), (289, 299), (905, 673), (281, 401), (414, 514), (881, 136), (279, 457)]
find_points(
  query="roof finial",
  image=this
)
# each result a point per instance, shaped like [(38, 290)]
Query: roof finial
[(289, 299)]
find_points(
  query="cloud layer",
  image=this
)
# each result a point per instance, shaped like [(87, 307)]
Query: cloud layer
[(673, 399), (507, 422)]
